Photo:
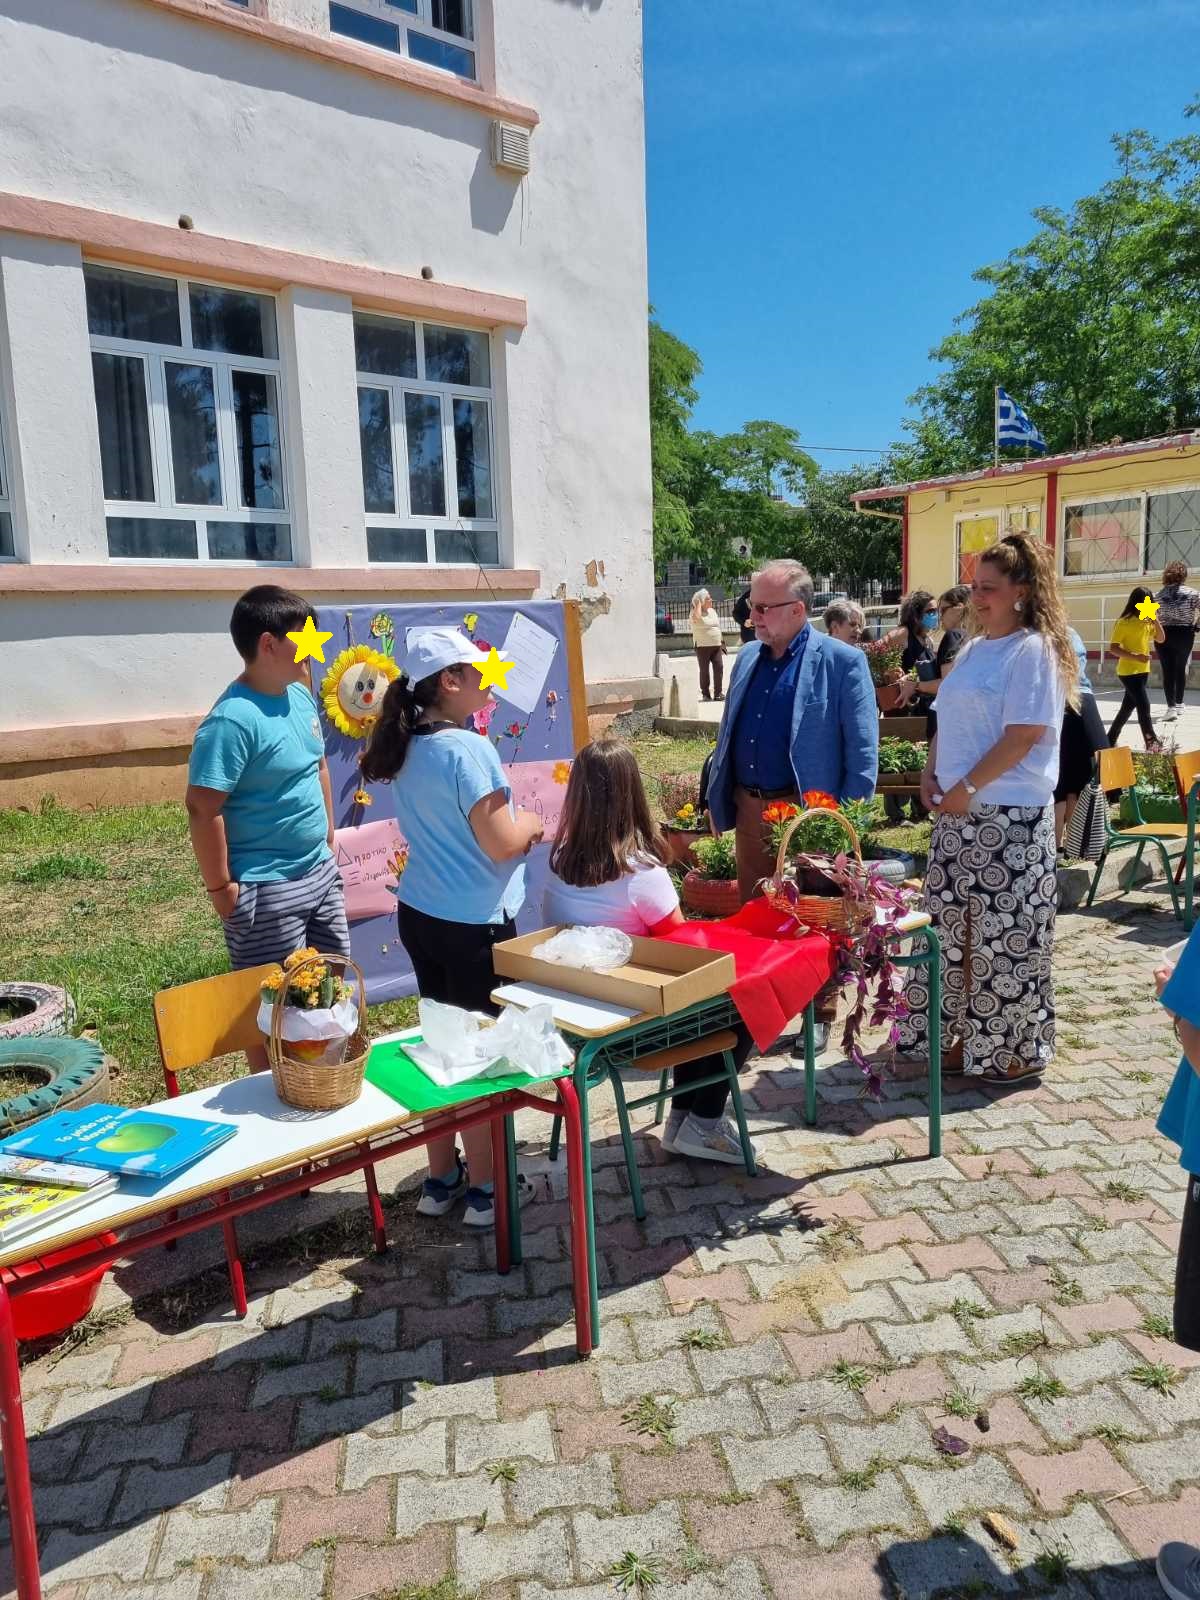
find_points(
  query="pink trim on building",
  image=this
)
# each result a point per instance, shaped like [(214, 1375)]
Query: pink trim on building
[(112, 237), (59, 578)]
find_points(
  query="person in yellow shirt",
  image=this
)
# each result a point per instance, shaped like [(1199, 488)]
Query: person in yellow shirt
[(1130, 643)]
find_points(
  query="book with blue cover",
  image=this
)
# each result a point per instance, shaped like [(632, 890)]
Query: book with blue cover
[(134, 1144)]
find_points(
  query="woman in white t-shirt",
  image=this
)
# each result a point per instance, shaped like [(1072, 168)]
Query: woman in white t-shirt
[(606, 870), (989, 779)]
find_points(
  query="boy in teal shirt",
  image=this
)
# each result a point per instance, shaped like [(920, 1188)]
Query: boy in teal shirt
[(260, 810)]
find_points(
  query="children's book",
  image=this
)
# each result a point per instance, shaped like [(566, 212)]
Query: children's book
[(135, 1144), (58, 1174), (25, 1207)]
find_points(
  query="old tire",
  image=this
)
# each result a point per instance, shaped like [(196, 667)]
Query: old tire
[(41, 1010), (74, 1073)]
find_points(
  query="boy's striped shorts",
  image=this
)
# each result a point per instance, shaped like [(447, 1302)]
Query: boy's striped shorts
[(271, 920)]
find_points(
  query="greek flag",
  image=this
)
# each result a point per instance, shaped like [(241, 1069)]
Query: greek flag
[(1012, 424)]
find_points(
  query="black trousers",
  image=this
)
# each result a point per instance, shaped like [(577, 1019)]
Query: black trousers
[(1173, 654), (708, 1102), (712, 660), (1137, 698), (453, 960), (1187, 1271)]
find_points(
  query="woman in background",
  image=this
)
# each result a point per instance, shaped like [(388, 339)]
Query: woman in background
[(1082, 734), (845, 621), (1130, 643), (709, 642), (952, 615), (918, 619), (1179, 613)]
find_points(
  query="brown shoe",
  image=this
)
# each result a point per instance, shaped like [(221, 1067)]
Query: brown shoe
[(1014, 1072)]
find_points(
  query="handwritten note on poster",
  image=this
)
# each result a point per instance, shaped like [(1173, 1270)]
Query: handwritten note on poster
[(367, 858), (540, 787), (531, 649)]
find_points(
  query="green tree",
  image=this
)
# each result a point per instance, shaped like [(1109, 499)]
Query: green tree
[(740, 484), (674, 368), (848, 545), (1094, 324)]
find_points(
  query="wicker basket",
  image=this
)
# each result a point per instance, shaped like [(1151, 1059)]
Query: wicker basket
[(825, 913), (309, 1086)]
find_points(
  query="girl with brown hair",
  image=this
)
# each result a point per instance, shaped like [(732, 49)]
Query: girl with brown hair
[(991, 885), (606, 870)]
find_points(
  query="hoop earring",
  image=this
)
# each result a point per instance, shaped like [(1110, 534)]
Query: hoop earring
[(1018, 605)]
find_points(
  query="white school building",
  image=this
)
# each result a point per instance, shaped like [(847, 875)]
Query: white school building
[(348, 295)]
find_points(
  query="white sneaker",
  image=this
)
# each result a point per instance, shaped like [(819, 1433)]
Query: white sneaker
[(719, 1143), (672, 1130), (1171, 714), (1178, 1568)]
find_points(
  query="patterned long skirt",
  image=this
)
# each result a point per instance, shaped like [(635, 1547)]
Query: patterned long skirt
[(991, 890)]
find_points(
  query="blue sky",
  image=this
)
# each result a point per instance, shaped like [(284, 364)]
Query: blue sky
[(823, 177)]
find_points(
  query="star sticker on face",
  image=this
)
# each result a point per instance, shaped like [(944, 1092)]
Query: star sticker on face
[(309, 642), (493, 670), (1148, 610)]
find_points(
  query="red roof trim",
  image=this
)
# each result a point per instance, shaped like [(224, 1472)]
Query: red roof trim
[(1020, 469)]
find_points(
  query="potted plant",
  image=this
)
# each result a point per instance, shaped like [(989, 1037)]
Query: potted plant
[(319, 1013), (883, 660), (711, 887), (683, 822), (901, 762), (1157, 791), (834, 891)]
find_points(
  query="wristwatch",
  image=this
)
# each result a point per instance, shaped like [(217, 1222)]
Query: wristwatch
[(969, 787)]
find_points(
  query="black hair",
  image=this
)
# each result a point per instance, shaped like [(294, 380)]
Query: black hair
[(266, 609), (1136, 595), (387, 744)]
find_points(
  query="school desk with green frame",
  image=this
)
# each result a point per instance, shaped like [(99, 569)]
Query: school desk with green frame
[(605, 1053), (276, 1152)]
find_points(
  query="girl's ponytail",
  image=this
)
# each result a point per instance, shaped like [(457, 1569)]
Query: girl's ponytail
[(398, 716)]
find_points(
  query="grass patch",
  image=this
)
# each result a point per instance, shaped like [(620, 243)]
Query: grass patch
[(502, 1471), (960, 1403), (863, 1478), (1112, 1434), (702, 1339), (850, 1376), (1023, 1343), (1156, 1375), (61, 867), (1158, 1327), (1053, 1565), (965, 1312), (1041, 1386), (838, 1239), (634, 1574), (655, 1418), (1118, 1189), (1067, 1291)]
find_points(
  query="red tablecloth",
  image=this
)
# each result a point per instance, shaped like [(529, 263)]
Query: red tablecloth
[(779, 970)]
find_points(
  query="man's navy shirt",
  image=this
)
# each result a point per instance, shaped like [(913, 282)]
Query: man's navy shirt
[(762, 736)]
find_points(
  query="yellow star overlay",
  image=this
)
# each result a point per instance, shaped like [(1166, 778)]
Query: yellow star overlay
[(493, 670), (309, 642), (1148, 610)]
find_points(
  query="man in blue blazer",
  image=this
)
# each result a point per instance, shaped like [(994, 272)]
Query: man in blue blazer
[(800, 714)]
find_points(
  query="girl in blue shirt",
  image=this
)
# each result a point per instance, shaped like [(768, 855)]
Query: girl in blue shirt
[(466, 846), (1179, 1121)]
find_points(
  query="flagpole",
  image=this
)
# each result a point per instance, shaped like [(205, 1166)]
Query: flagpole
[(995, 426)]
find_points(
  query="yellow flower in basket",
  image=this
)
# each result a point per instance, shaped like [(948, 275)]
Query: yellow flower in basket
[(297, 957)]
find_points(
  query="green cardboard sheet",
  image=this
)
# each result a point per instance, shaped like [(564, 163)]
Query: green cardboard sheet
[(392, 1069)]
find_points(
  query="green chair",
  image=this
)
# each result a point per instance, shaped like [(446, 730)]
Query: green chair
[(1115, 771), (1187, 781)]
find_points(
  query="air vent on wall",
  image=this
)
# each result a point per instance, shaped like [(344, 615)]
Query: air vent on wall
[(510, 147)]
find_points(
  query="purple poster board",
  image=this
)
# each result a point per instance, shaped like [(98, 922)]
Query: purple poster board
[(532, 732)]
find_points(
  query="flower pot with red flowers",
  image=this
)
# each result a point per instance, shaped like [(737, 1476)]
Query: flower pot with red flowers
[(883, 662), (711, 888)]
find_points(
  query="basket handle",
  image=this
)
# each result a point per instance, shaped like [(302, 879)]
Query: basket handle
[(814, 811), (275, 1045)]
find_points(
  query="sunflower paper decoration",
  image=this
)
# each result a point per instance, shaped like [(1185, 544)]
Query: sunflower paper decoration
[(353, 689)]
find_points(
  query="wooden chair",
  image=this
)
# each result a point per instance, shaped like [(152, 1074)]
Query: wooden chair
[(1187, 782), (1116, 771), (195, 1023)]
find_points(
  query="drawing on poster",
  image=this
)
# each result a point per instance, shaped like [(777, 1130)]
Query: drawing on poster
[(532, 649), (540, 787), (370, 859)]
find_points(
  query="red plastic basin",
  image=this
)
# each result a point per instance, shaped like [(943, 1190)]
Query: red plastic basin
[(40, 1312)]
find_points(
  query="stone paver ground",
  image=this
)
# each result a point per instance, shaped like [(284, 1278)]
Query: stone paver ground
[(779, 1358)]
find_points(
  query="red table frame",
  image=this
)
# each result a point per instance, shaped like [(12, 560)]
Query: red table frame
[(226, 1207)]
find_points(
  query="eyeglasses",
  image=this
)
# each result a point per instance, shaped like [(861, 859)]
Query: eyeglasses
[(761, 610)]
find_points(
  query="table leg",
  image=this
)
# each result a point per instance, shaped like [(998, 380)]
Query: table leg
[(579, 1207), (16, 1460), (933, 949), (237, 1278), (810, 1067), (582, 1064), (515, 1249), (500, 1195), (378, 1225)]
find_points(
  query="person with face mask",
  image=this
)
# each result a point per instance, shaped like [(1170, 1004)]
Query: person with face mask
[(951, 615)]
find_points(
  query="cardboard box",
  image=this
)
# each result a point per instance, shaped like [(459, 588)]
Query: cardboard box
[(660, 979)]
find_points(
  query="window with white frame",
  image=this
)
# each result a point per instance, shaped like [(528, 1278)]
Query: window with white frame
[(187, 381), (7, 545), (436, 33), (425, 416), (975, 531)]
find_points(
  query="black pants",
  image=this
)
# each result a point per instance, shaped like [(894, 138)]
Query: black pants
[(1137, 698), (1173, 654), (1187, 1271), (708, 1102), (711, 659), (453, 960)]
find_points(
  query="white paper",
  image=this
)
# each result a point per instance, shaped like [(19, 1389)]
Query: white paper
[(570, 1010), (531, 649)]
